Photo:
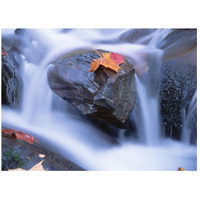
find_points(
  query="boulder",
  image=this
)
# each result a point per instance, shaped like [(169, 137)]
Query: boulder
[(178, 85), (103, 94), (12, 83), (179, 80)]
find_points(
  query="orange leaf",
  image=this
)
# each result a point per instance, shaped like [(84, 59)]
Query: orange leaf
[(181, 169), (106, 61), (20, 135)]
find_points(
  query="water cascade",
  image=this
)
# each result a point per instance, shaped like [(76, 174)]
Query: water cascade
[(51, 119)]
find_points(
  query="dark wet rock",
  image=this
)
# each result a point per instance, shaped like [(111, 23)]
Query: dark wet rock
[(103, 94), (107, 128), (179, 83), (136, 36), (65, 30), (11, 78), (179, 42), (20, 31), (20, 155)]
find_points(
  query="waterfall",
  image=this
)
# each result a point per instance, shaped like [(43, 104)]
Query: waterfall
[(51, 119), (37, 97), (149, 122)]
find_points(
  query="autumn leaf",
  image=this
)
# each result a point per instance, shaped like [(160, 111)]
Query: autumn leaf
[(119, 59), (36, 167), (4, 53), (181, 169), (108, 60), (20, 135)]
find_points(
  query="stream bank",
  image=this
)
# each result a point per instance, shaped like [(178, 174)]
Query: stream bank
[(18, 155)]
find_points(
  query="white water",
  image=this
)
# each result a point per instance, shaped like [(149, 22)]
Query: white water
[(148, 123), (76, 138)]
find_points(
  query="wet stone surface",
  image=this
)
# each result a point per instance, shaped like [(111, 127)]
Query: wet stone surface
[(12, 83), (178, 85), (103, 94), (20, 155)]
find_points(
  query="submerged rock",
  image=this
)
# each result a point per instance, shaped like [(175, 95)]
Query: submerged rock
[(141, 36), (11, 79), (103, 94), (178, 43)]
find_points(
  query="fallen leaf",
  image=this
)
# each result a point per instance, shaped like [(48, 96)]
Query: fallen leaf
[(4, 53), (37, 167), (41, 155), (20, 135), (107, 62), (181, 169), (18, 169), (119, 59)]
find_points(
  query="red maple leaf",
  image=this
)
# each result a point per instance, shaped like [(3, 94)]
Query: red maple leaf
[(20, 135), (108, 60), (117, 58), (4, 53)]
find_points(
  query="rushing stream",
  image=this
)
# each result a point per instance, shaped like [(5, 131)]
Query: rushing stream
[(51, 119)]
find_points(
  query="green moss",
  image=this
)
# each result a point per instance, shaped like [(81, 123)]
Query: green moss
[(8, 153), (21, 164), (16, 157), (13, 157)]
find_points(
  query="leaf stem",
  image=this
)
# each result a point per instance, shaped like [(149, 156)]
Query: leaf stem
[(96, 52)]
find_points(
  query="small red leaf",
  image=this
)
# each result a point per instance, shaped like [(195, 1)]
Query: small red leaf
[(4, 53), (20, 135), (117, 58)]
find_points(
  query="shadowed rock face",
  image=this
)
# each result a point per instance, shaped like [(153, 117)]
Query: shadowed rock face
[(178, 43), (179, 79), (11, 79), (179, 82), (103, 94)]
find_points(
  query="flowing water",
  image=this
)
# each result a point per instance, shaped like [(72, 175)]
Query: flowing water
[(51, 119)]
